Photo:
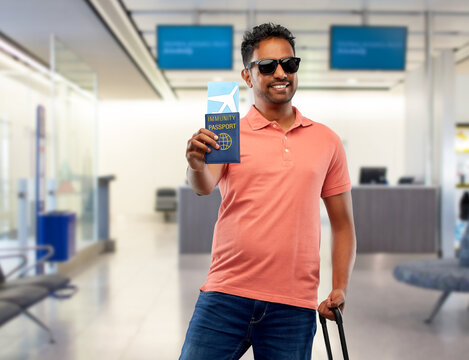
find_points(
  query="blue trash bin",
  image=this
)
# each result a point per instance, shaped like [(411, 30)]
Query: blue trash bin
[(57, 228)]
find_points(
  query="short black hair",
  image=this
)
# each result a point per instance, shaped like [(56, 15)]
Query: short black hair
[(262, 32)]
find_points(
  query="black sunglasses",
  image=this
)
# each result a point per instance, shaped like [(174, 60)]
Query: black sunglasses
[(269, 66)]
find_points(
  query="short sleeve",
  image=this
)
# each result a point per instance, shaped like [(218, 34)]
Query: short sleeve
[(337, 180)]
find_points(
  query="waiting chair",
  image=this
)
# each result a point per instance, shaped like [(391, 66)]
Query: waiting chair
[(25, 291), (8, 311), (166, 201)]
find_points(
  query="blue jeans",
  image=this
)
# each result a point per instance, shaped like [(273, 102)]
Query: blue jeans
[(223, 327)]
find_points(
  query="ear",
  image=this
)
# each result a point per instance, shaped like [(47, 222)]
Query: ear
[(246, 75)]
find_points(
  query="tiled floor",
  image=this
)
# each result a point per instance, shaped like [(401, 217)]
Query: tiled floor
[(136, 304)]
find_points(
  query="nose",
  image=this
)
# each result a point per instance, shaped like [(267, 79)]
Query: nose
[(279, 73)]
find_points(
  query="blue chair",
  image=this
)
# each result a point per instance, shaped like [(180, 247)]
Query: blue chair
[(446, 275)]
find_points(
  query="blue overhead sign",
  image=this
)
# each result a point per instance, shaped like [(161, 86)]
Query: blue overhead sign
[(368, 47), (199, 47)]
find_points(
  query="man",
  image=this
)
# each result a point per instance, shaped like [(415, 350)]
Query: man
[(261, 290)]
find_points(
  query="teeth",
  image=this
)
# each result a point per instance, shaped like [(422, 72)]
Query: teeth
[(279, 86)]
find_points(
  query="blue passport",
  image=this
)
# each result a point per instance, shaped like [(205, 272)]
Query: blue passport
[(226, 126), (222, 118)]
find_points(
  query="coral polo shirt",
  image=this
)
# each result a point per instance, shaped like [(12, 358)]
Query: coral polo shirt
[(266, 240)]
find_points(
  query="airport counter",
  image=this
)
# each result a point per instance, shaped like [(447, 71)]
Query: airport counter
[(197, 216), (396, 219)]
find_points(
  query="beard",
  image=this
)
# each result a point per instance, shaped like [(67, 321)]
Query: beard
[(279, 99)]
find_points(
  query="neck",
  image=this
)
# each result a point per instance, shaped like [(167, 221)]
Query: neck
[(283, 114)]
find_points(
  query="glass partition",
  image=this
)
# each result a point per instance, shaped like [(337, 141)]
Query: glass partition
[(22, 89), (67, 91), (74, 112)]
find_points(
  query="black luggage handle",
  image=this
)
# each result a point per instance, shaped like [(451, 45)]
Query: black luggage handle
[(340, 324)]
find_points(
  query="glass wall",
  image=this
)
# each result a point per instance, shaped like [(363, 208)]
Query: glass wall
[(68, 95), (75, 152), (21, 91)]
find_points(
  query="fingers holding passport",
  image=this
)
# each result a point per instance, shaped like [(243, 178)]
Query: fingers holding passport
[(197, 146), (200, 141)]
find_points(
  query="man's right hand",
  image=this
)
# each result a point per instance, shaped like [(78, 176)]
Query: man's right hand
[(197, 147)]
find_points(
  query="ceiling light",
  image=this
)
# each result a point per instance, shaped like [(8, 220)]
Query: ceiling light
[(21, 56)]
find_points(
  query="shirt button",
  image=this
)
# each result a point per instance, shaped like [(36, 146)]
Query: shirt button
[(275, 125), (286, 150)]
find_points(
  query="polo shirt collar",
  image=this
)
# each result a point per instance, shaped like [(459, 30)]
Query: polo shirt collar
[(257, 121)]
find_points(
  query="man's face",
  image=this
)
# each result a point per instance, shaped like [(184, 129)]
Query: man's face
[(279, 87)]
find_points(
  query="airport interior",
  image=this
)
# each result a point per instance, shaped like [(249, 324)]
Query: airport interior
[(104, 245)]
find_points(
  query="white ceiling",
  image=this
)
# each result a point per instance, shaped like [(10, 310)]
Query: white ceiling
[(31, 22), (309, 22), (122, 75)]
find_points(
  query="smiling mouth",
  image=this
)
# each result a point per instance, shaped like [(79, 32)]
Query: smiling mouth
[(282, 86)]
